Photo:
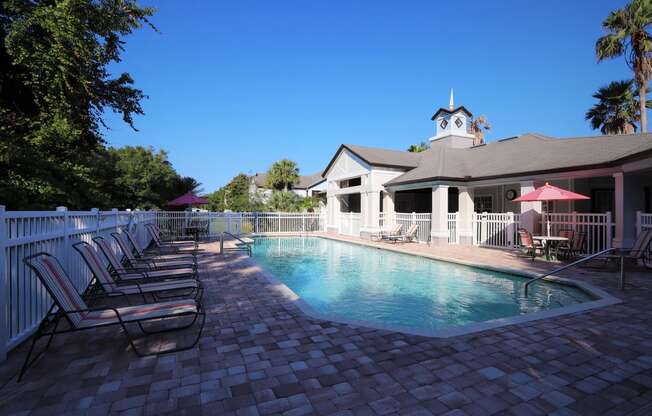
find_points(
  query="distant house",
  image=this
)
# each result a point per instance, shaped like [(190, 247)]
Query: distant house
[(309, 185), (451, 182)]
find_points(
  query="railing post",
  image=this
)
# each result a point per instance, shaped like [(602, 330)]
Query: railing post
[(574, 221), (511, 232), (4, 287), (279, 221), (256, 228), (116, 219), (639, 223), (608, 235), (66, 236), (414, 217), (303, 222)]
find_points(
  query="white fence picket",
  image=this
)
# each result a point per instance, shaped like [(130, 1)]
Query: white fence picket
[(24, 301), (495, 229), (597, 227)]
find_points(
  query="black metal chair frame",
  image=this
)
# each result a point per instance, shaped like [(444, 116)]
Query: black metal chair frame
[(146, 276), (170, 245), (189, 293), (56, 313), (144, 265)]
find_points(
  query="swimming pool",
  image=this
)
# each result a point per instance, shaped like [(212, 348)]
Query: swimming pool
[(354, 283)]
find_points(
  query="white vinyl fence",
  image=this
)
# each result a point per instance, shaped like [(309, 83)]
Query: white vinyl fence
[(597, 227), (350, 223), (406, 219), (453, 229), (495, 229), (23, 300), (643, 222), (213, 223)]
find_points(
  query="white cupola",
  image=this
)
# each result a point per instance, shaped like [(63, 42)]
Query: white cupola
[(452, 125)]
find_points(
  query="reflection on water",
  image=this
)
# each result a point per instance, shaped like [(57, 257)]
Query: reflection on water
[(362, 283)]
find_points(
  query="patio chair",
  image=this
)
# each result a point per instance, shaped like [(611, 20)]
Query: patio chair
[(409, 235), (121, 273), (107, 282), (565, 248), (392, 231), (141, 253), (637, 254), (169, 245), (133, 262), (527, 244), (69, 306)]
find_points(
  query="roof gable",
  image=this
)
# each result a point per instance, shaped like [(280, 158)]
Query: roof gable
[(376, 156), (447, 111)]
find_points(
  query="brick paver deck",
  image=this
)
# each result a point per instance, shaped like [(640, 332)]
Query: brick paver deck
[(260, 355)]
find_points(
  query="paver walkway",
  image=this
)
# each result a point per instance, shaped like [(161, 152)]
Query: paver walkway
[(261, 355)]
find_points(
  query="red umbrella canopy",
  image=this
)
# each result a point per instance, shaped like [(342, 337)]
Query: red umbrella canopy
[(548, 192), (188, 199)]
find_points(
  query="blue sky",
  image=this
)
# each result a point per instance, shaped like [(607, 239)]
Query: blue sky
[(235, 85)]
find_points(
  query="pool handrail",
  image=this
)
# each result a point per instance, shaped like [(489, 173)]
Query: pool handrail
[(578, 262), (246, 244)]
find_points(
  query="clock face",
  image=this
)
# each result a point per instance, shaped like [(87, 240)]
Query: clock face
[(458, 122), (510, 194), (443, 124)]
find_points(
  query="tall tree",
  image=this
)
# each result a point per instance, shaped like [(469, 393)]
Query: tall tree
[(628, 36), (617, 110), (478, 126), (419, 147), (55, 87), (283, 174), (146, 178), (235, 196)]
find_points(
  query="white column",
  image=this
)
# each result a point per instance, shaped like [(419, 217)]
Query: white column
[(619, 209), (465, 215), (439, 224), (530, 211), (374, 210)]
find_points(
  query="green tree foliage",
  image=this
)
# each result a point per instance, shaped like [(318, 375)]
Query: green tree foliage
[(284, 201), (283, 174), (54, 89), (419, 147), (235, 196), (627, 35), (617, 109), (146, 179)]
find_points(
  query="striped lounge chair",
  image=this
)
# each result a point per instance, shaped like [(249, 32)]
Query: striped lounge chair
[(69, 307), (134, 283), (130, 261), (140, 252), (173, 246), (122, 274)]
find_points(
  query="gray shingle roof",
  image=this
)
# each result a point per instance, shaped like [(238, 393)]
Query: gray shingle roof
[(529, 153), (377, 156)]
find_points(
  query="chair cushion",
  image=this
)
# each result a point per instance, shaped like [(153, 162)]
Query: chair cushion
[(157, 287), (160, 274), (134, 313)]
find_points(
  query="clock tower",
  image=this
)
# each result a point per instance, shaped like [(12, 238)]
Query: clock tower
[(452, 125)]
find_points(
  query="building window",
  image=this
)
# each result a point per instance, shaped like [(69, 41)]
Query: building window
[(348, 183), (483, 203)]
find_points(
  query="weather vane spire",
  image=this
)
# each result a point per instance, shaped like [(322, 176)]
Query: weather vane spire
[(451, 104)]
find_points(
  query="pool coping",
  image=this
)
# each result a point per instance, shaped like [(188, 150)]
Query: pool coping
[(603, 298)]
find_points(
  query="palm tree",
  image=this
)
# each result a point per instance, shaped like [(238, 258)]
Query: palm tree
[(616, 111), (628, 36), (419, 147), (283, 174), (477, 126)]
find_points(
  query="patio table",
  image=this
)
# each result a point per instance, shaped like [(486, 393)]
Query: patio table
[(548, 243)]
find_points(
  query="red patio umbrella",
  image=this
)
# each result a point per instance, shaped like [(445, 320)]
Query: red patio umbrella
[(549, 192), (187, 200)]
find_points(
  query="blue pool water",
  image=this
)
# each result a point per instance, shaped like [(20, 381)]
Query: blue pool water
[(354, 282)]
